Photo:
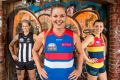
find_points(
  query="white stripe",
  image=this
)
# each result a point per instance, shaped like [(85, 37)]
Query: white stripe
[(24, 52), (30, 53), (56, 64), (19, 55)]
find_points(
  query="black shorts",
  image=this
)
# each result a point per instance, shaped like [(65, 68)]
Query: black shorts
[(25, 65)]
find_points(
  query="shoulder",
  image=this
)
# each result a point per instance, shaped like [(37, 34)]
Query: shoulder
[(89, 39), (41, 35), (76, 38), (16, 38)]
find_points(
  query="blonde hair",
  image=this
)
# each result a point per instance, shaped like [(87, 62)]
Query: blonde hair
[(50, 26)]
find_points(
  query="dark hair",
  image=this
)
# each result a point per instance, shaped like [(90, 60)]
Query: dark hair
[(98, 21), (58, 5)]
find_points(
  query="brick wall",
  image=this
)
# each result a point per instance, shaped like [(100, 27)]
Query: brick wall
[(114, 48), (2, 57)]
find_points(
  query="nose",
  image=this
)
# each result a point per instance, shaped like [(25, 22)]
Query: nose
[(58, 18)]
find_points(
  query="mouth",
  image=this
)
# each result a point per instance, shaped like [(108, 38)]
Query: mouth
[(59, 22)]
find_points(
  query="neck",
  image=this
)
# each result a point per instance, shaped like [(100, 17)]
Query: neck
[(97, 34), (58, 31), (26, 33)]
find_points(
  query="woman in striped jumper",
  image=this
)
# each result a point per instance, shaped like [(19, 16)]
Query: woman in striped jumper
[(96, 49), (23, 59)]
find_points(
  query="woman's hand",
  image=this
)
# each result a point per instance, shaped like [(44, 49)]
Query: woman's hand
[(42, 73), (75, 74), (15, 58), (92, 60)]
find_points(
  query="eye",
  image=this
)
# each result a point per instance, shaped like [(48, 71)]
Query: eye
[(101, 26), (55, 16), (96, 26), (62, 16)]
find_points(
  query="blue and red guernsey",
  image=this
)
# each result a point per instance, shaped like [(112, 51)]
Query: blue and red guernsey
[(59, 57), (96, 50)]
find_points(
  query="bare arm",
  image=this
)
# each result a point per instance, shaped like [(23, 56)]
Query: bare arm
[(35, 37), (105, 42), (11, 47), (76, 73), (78, 47), (37, 45), (12, 43), (85, 43)]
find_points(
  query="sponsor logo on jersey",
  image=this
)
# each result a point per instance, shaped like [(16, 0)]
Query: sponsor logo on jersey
[(66, 44)]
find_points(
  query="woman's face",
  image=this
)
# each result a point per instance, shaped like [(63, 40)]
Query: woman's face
[(98, 27), (58, 17), (25, 27)]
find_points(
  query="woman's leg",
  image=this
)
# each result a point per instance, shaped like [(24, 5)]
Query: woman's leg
[(20, 74), (32, 74), (103, 76), (90, 77)]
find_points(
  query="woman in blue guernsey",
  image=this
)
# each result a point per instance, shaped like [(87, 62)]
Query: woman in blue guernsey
[(59, 44), (96, 48)]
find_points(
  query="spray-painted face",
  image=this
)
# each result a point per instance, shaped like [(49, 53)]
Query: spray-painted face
[(98, 27), (25, 27), (58, 17)]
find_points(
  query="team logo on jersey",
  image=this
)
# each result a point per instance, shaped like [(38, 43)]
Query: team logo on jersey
[(97, 42), (52, 47), (21, 40)]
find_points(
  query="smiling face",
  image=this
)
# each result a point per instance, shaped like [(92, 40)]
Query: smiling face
[(98, 27), (58, 17)]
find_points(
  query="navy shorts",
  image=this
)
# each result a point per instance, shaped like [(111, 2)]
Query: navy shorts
[(95, 71), (25, 65)]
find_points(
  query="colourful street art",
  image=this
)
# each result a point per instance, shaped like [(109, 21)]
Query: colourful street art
[(80, 17)]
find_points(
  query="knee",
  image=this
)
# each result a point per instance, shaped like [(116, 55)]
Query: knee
[(20, 77), (33, 78)]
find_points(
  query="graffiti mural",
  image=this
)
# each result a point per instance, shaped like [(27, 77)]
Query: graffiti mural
[(86, 19), (80, 17), (24, 14)]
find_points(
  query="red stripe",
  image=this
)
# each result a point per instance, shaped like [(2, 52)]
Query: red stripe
[(69, 32), (59, 56), (100, 60)]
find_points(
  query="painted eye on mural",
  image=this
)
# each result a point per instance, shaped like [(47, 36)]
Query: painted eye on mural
[(86, 19)]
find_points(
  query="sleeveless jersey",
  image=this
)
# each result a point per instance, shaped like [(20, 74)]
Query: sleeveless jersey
[(59, 58), (25, 47), (96, 50)]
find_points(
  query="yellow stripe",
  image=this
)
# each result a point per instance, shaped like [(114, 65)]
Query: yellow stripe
[(95, 49), (95, 65)]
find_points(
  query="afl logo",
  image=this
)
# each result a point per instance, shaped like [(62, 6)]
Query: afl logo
[(97, 42), (52, 47), (21, 40)]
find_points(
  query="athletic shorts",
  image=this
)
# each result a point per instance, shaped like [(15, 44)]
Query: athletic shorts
[(25, 65), (95, 71), (58, 74)]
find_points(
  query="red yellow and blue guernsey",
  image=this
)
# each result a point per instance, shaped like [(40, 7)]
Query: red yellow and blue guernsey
[(59, 59), (96, 50)]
